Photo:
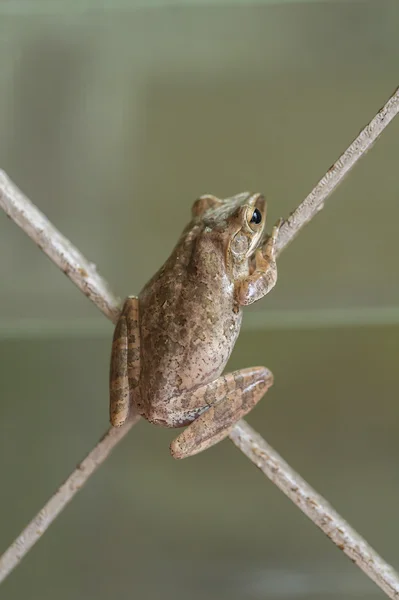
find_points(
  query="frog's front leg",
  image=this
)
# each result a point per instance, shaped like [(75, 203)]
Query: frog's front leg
[(125, 362), (264, 276), (223, 402)]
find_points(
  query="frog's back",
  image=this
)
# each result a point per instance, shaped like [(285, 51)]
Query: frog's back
[(189, 321)]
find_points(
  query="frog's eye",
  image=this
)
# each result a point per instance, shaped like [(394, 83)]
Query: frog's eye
[(256, 217)]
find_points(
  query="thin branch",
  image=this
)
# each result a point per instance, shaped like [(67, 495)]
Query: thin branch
[(33, 532), (58, 248), (254, 447), (315, 507), (314, 202)]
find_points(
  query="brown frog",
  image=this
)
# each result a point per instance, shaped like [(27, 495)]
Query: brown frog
[(172, 342)]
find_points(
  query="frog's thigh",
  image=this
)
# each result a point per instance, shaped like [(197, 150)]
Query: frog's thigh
[(229, 399), (125, 362)]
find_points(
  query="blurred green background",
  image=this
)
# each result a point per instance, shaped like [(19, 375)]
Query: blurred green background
[(114, 117)]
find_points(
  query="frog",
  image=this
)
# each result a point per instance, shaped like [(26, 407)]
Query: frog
[(172, 342)]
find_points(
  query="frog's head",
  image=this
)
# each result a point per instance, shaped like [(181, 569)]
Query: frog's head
[(238, 222)]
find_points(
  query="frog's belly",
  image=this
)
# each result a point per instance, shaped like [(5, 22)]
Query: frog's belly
[(183, 359)]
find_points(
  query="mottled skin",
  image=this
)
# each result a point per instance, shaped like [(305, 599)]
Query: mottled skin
[(172, 343)]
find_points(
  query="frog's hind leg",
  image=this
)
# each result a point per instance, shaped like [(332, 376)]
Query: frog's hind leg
[(125, 362), (227, 399)]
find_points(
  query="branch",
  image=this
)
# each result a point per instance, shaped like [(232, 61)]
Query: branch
[(33, 532), (84, 275), (316, 508), (57, 247), (314, 202)]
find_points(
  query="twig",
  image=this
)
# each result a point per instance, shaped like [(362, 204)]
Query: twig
[(256, 449), (33, 532), (60, 250), (313, 203), (315, 507)]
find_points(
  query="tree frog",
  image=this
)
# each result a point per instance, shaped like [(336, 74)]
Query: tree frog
[(172, 342)]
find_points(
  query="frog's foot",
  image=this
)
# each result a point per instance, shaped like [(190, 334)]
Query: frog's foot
[(226, 400), (125, 362), (263, 274)]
